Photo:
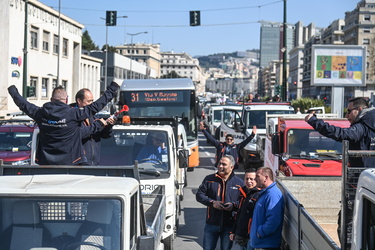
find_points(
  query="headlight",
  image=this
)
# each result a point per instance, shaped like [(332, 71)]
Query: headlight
[(285, 157)]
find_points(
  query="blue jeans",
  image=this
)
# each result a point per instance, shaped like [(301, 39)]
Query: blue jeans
[(212, 233)]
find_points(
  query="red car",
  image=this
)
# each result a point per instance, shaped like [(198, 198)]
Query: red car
[(15, 141)]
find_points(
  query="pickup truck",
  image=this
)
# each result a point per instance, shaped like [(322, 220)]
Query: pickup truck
[(294, 148), (312, 205), (66, 207), (240, 125)]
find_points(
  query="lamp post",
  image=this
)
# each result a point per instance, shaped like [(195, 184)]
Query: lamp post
[(131, 55)]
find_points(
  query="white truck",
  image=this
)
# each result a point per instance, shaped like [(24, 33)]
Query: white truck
[(241, 125), (122, 150), (312, 205), (70, 207)]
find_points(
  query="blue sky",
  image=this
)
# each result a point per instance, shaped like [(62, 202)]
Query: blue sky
[(226, 26)]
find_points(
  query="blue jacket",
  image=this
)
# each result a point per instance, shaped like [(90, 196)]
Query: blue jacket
[(60, 140), (268, 218), (214, 188), (360, 134), (221, 147)]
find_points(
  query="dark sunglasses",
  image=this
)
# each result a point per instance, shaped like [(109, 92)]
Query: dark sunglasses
[(348, 111), (229, 139)]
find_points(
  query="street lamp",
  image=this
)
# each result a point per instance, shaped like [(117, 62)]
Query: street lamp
[(131, 55), (106, 51)]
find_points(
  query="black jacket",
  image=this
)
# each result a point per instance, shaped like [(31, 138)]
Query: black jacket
[(245, 211), (60, 141), (214, 188), (360, 134), (221, 147)]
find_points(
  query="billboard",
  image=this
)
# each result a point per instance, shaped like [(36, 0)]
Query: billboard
[(338, 65)]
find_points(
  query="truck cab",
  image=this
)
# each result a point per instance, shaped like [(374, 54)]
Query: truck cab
[(65, 207), (298, 150), (240, 125)]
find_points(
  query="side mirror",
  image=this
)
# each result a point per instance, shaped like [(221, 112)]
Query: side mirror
[(145, 242), (238, 127), (275, 144), (183, 158)]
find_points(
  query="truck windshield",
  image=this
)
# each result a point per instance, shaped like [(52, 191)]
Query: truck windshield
[(149, 148), (15, 141), (258, 117), (45, 222), (307, 142)]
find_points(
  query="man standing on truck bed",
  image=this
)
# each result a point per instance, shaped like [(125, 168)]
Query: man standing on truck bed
[(60, 141), (360, 134), (93, 130), (220, 193), (268, 214), (228, 147)]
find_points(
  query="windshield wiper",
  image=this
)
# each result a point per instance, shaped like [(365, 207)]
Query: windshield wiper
[(309, 157), (149, 171), (334, 156)]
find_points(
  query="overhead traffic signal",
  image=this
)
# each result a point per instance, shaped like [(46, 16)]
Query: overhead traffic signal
[(277, 89), (195, 18), (111, 18)]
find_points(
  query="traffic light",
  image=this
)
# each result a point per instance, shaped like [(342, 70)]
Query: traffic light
[(195, 18), (111, 18), (277, 89)]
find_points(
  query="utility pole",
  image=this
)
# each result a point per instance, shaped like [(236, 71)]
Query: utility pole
[(284, 49), (25, 43), (131, 55)]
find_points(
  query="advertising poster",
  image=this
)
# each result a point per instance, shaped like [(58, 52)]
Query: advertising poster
[(338, 65)]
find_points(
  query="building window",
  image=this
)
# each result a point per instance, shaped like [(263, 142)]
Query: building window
[(55, 44), (54, 83), (65, 47), (45, 41), (34, 83), (34, 37), (367, 18), (64, 84), (366, 29), (365, 41), (45, 87)]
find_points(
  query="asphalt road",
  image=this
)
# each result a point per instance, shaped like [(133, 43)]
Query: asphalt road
[(192, 219)]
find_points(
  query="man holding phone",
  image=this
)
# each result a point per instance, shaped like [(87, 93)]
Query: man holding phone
[(220, 193)]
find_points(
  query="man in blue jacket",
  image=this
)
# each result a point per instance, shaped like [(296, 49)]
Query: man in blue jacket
[(360, 134), (60, 141), (228, 147), (220, 193), (268, 214)]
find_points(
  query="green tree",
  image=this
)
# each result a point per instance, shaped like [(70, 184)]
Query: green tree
[(110, 48), (306, 103), (87, 43)]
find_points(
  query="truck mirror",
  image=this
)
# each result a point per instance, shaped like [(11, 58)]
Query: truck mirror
[(209, 118), (183, 158), (275, 144), (145, 242)]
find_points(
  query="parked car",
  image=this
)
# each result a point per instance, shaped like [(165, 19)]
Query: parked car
[(15, 141)]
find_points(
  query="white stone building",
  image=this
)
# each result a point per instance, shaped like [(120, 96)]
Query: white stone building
[(52, 56)]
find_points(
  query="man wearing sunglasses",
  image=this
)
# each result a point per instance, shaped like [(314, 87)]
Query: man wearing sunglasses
[(228, 147), (360, 134)]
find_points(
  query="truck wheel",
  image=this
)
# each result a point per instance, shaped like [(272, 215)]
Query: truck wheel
[(168, 243)]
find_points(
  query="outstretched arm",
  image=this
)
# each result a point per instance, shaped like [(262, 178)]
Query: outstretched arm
[(27, 107)]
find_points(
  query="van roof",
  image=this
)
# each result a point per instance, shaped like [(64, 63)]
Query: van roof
[(157, 84)]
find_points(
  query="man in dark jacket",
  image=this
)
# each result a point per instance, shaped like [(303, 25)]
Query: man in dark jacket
[(360, 134), (59, 124), (249, 195), (92, 128), (220, 193), (228, 147)]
